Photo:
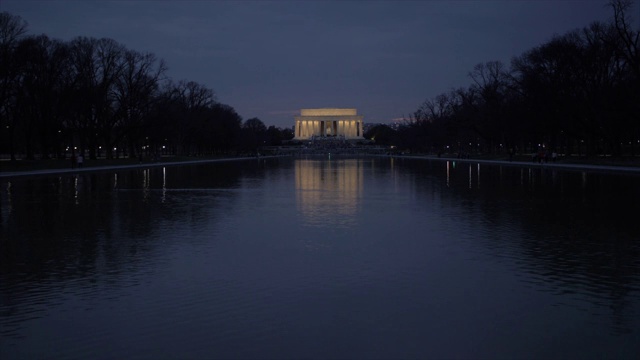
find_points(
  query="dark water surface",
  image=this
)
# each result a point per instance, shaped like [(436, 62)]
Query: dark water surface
[(317, 258)]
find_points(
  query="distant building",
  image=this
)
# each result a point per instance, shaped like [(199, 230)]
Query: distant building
[(328, 123)]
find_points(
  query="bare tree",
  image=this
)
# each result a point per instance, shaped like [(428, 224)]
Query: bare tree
[(490, 82), (190, 102), (12, 28), (43, 95), (135, 91), (96, 66), (629, 37)]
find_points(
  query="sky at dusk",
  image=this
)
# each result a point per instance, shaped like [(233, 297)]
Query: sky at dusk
[(270, 59)]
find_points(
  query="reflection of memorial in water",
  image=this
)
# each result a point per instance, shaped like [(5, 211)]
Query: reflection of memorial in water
[(328, 192)]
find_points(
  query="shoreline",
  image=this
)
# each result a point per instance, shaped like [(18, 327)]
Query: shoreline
[(517, 163), (56, 171), (530, 164)]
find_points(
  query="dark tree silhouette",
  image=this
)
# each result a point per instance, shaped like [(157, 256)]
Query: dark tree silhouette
[(254, 134), (382, 135), (135, 93), (43, 97), (576, 93), (12, 28)]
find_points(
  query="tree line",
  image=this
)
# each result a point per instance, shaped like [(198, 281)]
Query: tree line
[(99, 98), (578, 93)]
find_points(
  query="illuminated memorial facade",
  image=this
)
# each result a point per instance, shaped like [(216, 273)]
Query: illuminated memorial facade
[(328, 122)]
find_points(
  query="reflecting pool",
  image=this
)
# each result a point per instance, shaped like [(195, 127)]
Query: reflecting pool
[(321, 258)]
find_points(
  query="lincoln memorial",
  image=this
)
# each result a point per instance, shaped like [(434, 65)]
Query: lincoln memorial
[(328, 122)]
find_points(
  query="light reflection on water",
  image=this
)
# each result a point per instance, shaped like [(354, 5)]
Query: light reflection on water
[(328, 192), (348, 258)]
